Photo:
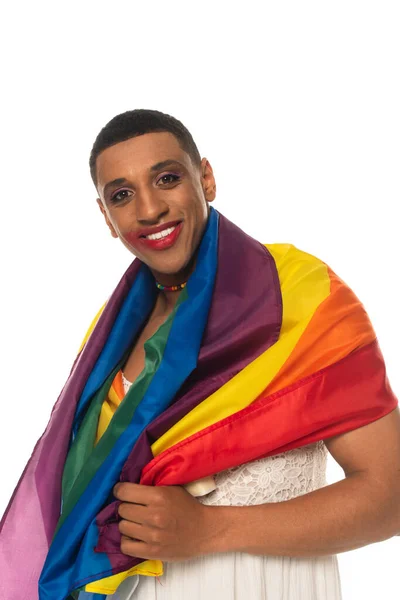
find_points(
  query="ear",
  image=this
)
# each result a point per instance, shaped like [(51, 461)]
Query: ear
[(106, 217), (208, 180)]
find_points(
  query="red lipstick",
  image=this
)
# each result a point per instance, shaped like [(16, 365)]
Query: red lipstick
[(139, 239)]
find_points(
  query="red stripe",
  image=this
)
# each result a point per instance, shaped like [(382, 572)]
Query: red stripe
[(349, 394)]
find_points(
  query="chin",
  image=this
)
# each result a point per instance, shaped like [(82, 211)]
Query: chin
[(172, 268), (168, 270)]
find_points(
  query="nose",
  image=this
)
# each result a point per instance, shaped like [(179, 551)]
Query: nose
[(150, 206)]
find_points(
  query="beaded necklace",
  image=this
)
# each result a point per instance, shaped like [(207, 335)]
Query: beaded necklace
[(171, 288)]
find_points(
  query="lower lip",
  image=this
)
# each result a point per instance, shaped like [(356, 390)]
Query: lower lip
[(162, 243)]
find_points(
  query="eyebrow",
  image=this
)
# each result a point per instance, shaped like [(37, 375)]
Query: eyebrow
[(156, 167)]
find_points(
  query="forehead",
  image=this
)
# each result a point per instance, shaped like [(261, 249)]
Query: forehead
[(137, 155)]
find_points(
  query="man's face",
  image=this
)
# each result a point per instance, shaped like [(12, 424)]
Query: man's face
[(138, 194)]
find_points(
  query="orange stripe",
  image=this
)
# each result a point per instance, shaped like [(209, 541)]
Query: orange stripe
[(339, 326), (119, 385)]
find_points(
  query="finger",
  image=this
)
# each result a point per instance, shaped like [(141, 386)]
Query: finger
[(134, 548), (133, 531), (133, 492), (137, 513)]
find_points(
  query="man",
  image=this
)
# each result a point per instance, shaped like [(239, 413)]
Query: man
[(214, 352)]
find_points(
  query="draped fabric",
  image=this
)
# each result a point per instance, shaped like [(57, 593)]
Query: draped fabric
[(266, 350)]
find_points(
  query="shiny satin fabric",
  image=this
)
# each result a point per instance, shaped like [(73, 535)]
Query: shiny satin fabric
[(324, 376), (269, 351)]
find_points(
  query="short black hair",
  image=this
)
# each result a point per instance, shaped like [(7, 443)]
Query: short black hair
[(138, 122)]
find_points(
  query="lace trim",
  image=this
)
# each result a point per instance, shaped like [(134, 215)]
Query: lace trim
[(127, 384), (272, 479)]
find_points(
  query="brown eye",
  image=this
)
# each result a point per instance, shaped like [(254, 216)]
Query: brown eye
[(169, 178), (120, 196)]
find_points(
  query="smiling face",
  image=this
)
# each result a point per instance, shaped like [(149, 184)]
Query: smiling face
[(148, 185)]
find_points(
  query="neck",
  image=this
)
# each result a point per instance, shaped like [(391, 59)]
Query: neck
[(166, 301), (169, 279)]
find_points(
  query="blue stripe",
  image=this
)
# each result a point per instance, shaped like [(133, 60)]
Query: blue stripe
[(64, 571)]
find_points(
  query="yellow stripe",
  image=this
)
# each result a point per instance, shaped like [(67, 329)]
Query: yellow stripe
[(108, 409), (110, 584), (305, 283)]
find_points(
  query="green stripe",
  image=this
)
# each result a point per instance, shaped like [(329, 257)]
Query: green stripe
[(81, 470), (83, 444)]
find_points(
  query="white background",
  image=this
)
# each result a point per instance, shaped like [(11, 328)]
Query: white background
[(296, 106)]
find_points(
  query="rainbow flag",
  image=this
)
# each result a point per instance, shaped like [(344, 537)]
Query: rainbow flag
[(266, 350)]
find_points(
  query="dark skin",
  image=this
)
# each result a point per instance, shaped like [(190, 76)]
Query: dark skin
[(149, 199), (166, 522)]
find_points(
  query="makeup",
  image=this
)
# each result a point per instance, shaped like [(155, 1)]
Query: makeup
[(161, 242)]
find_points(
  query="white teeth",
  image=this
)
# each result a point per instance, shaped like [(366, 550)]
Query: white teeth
[(160, 234)]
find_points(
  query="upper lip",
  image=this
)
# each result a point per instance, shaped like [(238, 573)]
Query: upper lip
[(144, 231)]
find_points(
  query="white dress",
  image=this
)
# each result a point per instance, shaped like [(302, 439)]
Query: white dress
[(239, 576)]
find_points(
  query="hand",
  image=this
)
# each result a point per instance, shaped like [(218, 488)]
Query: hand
[(163, 522)]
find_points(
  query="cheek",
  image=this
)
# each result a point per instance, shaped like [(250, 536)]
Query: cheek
[(120, 222), (201, 214)]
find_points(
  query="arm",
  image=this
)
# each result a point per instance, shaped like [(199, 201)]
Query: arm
[(168, 524), (361, 509)]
